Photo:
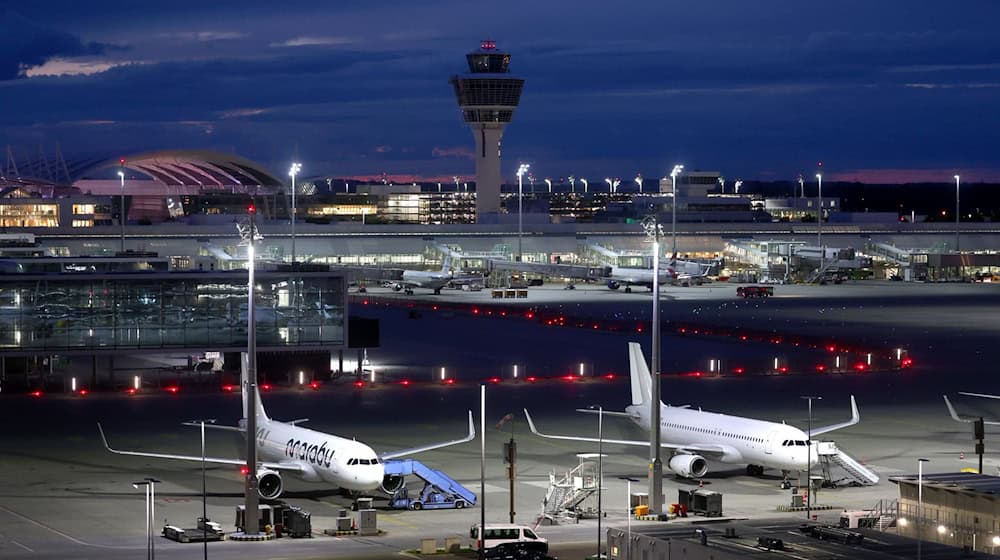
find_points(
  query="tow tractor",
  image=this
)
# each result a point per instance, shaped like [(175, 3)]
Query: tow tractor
[(440, 491), (755, 291)]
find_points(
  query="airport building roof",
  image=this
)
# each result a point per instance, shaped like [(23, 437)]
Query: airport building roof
[(969, 483)]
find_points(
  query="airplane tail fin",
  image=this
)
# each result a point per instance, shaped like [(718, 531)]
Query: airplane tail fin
[(245, 389), (641, 379), (446, 264)]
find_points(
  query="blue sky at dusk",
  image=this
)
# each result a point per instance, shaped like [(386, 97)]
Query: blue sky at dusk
[(883, 91)]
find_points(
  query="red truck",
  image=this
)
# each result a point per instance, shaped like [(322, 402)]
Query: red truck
[(755, 291)]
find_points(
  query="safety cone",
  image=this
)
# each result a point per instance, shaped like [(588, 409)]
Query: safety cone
[(961, 455)]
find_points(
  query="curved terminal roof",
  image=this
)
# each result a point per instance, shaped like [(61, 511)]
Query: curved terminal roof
[(191, 168)]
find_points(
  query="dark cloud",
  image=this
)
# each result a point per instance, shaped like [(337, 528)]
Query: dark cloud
[(24, 44), (725, 85)]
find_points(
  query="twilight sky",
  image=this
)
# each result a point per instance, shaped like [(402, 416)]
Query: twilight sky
[(889, 91)]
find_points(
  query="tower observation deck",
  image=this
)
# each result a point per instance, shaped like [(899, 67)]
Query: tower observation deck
[(487, 95)]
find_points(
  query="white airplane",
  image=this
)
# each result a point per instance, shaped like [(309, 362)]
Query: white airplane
[(285, 448), (692, 435), (628, 277), (431, 280), (688, 272)]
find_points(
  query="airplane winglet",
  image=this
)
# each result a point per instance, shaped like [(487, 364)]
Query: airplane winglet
[(104, 438), (953, 412), (855, 418), (406, 452), (531, 423)]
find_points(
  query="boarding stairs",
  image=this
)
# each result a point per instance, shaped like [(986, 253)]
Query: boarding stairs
[(439, 488), (567, 492), (830, 454), (887, 512), (828, 266)]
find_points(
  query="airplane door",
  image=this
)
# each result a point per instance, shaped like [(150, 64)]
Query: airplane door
[(767, 443)]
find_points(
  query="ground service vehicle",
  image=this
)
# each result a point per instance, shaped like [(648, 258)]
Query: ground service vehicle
[(755, 291), (502, 533)]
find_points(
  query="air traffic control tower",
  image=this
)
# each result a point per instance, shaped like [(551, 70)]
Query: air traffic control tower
[(487, 95)]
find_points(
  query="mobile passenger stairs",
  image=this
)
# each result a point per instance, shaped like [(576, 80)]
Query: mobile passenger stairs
[(440, 491), (830, 454), (565, 497)]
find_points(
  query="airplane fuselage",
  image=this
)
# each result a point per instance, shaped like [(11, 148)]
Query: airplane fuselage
[(746, 440), (322, 457)]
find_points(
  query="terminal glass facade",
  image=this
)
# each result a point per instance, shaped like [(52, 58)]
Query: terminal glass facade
[(195, 310)]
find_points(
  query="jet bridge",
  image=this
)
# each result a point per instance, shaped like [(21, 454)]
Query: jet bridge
[(440, 491)]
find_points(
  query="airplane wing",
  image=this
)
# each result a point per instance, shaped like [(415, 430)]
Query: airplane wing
[(707, 448), (288, 467), (605, 412), (980, 395), (421, 449), (213, 427), (855, 418), (970, 419)]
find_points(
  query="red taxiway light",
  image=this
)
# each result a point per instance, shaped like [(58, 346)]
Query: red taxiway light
[(359, 384), (82, 392), (743, 337), (475, 311), (831, 348), (314, 385), (531, 379), (503, 313), (265, 387), (405, 382), (229, 388), (172, 389), (860, 366), (820, 368), (569, 378), (449, 381), (609, 376), (529, 315), (638, 329), (131, 391), (36, 394), (244, 470), (364, 302), (494, 380), (783, 369), (907, 362), (739, 371)]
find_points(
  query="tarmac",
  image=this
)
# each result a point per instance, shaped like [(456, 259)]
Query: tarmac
[(63, 496)]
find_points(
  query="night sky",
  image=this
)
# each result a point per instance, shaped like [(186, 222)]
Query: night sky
[(889, 91)]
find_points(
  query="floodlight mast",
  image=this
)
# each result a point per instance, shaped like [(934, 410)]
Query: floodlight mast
[(251, 517), (654, 231)]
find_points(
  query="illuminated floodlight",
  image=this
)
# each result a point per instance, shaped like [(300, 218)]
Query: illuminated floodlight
[(515, 371), (442, 374)]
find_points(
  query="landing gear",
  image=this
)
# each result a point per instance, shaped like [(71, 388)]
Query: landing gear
[(437, 291), (755, 470), (408, 292), (628, 289)]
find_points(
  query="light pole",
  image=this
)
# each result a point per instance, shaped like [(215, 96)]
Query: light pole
[(572, 184), (251, 518), (957, 217), (802, 186), (673, 210), (920, 505), (638, 181), (737, 185), (296, 167), (521, 170), (121, 175), (809, 444), (654, 231), (819, 221), (600, 472), (204, 492), (628, 514), (549, 183), (611, 186), (455, 178), (722, 183), (149, 485), (585, 185)]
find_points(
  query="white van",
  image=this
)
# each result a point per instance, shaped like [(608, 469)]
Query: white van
[(500, 533)]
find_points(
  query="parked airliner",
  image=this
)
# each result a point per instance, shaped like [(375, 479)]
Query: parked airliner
[(285, 448), (693, 434), (431, 280)]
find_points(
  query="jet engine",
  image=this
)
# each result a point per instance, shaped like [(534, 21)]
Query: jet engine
[(269, 484), (397, 287), (689, 466), (391, 483), (614, 284)]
